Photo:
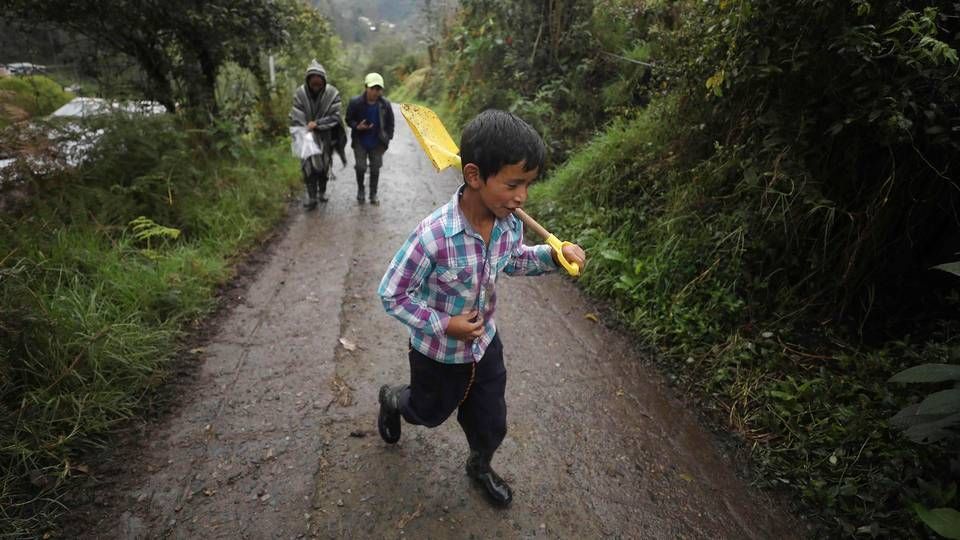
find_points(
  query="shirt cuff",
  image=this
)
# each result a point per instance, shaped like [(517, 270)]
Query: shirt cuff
[(545, 255)]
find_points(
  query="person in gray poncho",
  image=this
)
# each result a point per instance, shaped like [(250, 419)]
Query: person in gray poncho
[(316, 106)]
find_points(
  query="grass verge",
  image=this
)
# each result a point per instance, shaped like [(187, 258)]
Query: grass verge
[(671, 251), (101, 270)]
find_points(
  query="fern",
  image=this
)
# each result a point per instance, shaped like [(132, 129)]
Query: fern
[(145, 230)]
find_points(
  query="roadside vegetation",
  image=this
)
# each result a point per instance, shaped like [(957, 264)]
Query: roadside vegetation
[(22, 98), (104, 268), (765, 191), (106, 264), (768, 193)]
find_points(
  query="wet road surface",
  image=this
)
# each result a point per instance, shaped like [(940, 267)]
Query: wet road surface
[(274, 435)]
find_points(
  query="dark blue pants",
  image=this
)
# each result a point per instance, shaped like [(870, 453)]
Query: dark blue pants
[(436, 389)]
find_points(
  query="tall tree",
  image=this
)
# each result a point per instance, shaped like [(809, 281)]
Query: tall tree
[(179, 44)]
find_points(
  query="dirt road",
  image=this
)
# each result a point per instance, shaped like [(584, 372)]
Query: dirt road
[(274, 434)]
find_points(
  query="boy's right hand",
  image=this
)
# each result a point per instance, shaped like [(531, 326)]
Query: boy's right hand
[(465, 327)]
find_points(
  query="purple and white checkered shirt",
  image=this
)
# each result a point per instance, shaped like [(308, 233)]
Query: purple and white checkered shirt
[(444, 269)]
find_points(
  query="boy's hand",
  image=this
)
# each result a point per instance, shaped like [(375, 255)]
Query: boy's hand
[(465, 327), (311, 125), (572, 253)]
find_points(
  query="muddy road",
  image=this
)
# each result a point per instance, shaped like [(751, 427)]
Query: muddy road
[(274, 431)]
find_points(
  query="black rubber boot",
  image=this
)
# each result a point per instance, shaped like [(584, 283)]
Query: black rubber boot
[(388, 423), (311, 201), (496, 488), (361, 193), (374, 181), (322, 188)]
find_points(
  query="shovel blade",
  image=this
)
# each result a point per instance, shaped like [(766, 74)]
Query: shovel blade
[(432, 136)]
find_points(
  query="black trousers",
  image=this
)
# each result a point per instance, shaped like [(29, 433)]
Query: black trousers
[(436, 390), (316, 183)]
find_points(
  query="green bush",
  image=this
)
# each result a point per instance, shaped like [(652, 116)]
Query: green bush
[(30, 96), (838, 163), (771, 226), (575, 69), (813, 412), (100, 271)]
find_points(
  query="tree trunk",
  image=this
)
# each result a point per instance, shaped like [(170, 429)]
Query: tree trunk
[(209, 68)]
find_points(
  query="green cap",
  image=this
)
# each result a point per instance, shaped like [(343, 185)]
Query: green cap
[(373, 79)]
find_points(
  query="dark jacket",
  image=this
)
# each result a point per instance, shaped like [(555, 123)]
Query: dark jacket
[(355, 113)]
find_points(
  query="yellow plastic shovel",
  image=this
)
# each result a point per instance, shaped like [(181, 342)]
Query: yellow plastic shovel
[(443, 152)]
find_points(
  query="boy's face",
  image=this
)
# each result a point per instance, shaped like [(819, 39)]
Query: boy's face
[(506, 190)]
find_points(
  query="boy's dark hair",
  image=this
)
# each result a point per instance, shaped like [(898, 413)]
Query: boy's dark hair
[(496, 138)]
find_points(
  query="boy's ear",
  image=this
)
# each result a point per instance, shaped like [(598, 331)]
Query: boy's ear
[(471, 176)]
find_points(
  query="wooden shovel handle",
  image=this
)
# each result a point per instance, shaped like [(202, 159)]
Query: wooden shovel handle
[(572, 268), (532, 223)]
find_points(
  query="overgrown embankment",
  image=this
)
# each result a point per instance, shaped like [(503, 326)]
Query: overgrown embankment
[(102, 268), (763, 199), (809, 400), (22, 98)]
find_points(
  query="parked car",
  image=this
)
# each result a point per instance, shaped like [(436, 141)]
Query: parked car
[(25, 68)]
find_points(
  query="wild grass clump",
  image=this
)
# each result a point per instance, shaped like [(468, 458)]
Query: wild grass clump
[(101, 269), (30, 96)]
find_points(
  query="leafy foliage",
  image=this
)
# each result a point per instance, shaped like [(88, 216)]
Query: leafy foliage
[(180, 46), (94, 294), (945, 521), (769, 191), (935, 419), (574, 69), (22, 98), (828, 132)]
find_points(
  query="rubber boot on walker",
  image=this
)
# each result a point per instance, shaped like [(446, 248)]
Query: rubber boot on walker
[(479, 470), (311, 201), (361, 193), (374, 181)]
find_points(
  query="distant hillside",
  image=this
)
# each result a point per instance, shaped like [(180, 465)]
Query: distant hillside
[(359, 21)]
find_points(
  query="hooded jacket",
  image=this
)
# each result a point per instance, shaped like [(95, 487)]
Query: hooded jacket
[(324, 109)]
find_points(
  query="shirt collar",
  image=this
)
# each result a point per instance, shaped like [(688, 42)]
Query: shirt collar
[(454, 221)]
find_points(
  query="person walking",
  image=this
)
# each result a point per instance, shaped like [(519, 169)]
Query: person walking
[(316, 106), (370, 118), (441, 285)]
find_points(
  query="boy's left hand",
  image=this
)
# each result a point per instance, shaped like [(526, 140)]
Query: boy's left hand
[(572, 253)]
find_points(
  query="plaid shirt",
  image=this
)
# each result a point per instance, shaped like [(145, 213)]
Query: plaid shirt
[(444, 269)]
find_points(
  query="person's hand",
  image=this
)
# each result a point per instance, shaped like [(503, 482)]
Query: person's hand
[(363, 125), (465, 327), (574, 254), (311, 125)]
